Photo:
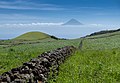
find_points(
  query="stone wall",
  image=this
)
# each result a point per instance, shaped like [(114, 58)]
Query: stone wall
[(39, 69)]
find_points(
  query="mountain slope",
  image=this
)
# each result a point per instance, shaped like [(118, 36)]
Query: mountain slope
[(33, 36), (104, 34)]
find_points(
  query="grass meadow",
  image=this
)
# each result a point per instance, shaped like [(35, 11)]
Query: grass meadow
[(98, 61), (13, 55)]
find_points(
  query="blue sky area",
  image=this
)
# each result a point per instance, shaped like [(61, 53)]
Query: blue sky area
[(86, 11)]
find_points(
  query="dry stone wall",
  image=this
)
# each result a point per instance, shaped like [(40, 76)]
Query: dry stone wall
[(39, 69)]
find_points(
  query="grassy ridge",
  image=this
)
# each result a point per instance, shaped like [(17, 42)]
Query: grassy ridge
[(104, 35)]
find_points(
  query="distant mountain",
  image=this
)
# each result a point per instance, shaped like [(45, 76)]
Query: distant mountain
[(72, 22)]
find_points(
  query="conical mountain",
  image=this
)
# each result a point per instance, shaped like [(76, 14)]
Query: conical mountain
[(73, 22)]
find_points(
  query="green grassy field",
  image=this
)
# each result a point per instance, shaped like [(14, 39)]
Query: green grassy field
[(15, 52), (90, 67), (97, 61)]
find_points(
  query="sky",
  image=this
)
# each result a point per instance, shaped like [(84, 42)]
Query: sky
[(58, 11), (21, 16)]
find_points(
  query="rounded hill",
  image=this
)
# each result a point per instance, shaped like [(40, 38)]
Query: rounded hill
[(33, 36)]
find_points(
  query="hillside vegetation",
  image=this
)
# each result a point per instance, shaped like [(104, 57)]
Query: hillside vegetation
[(15, 52), (97, 61), (103, 32)]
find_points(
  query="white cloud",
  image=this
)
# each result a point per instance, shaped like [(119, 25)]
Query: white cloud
[(26, 4), (17, 16), (107, 13), (47, 23), (20, 4), (97, 24), (33, 24)]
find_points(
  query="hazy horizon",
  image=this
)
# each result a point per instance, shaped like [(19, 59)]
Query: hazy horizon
[(69, 31)]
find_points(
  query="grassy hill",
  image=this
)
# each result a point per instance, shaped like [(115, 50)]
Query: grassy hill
[(33, 36)]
